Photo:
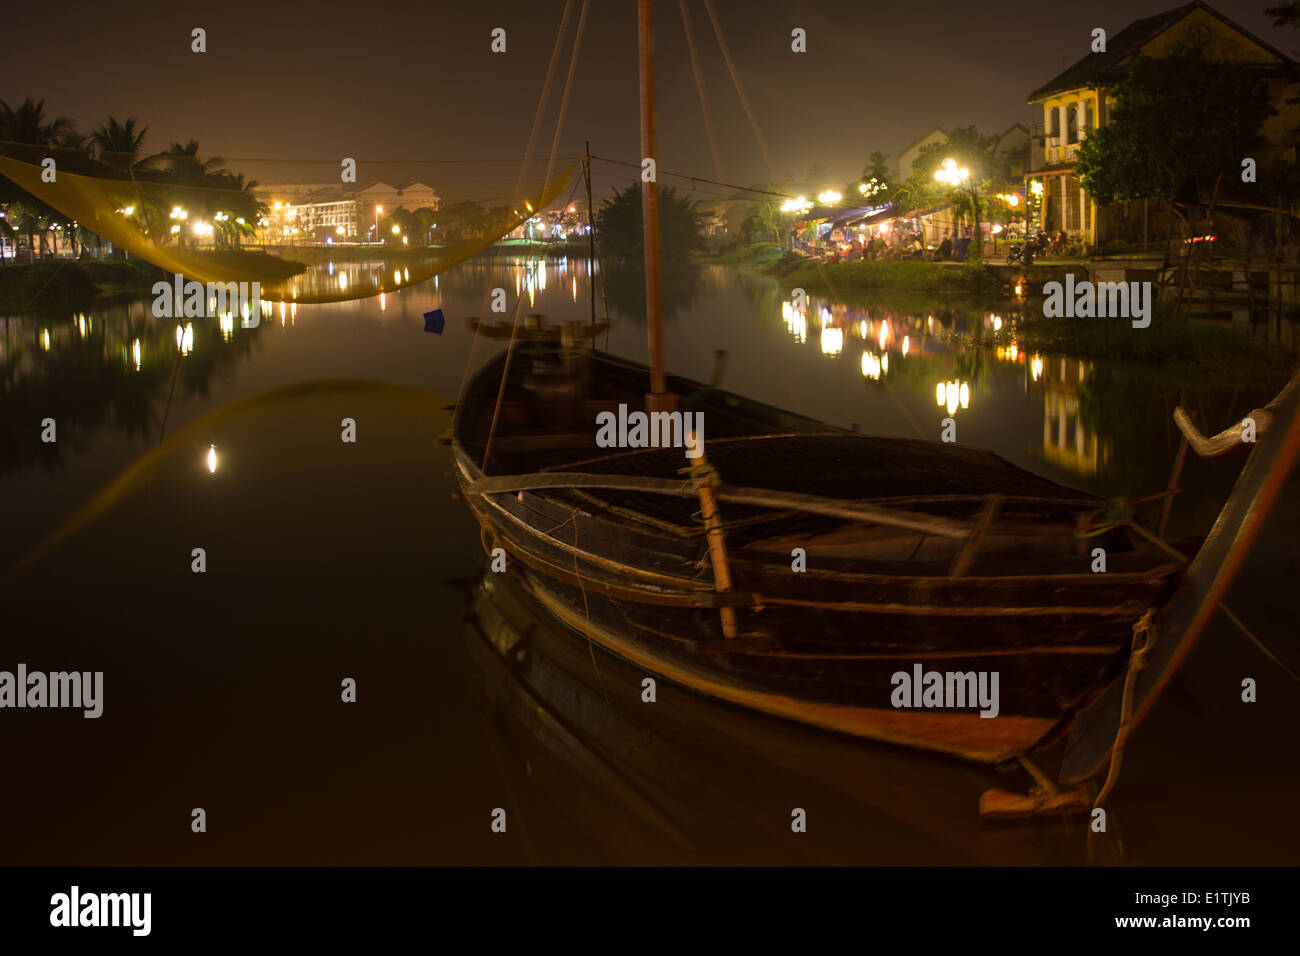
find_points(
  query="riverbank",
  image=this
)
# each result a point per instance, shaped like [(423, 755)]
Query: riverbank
[(390, 253), (1205, 346), (57, 285), (908, 276)]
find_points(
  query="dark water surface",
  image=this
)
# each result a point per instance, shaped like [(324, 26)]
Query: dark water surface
[(332, 560)]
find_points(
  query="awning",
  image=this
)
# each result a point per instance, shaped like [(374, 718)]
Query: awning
[(888, 215)]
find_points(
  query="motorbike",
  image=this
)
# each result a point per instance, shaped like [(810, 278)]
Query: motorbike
[(1038, 247)]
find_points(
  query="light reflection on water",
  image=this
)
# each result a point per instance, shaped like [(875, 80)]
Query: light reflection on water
[(106, 375), (884, 369)]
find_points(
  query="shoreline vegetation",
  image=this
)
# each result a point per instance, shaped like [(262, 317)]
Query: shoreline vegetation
[(53, 284), (1208, 345), (58, 284)]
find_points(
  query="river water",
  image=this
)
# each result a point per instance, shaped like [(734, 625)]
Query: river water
[(115, 380)]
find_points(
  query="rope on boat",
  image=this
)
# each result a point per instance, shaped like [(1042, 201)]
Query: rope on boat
[(1257, 642), (1144, 638), (1119, 514), (537, 120), (586, 608)]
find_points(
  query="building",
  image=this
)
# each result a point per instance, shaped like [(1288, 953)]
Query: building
[(1078, 101), (1011, 150), (320, 212), (903, 164)]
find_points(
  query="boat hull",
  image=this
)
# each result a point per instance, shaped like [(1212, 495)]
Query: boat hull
[(837, 645)]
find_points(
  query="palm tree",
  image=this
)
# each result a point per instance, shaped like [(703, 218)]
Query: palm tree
[(28, 125), (185, 166), (198, 176), (239, 208), (118, 143)]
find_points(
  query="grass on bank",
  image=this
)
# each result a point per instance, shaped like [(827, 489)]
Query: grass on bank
[(907, 275), (1195, 346)]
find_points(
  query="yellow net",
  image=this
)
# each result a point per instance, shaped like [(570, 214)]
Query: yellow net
[(132, 213)]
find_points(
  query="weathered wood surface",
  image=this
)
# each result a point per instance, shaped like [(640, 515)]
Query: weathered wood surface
[(1182, 621), (813, 504)]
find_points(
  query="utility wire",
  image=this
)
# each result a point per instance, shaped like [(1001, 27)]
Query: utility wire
[(698, 179)]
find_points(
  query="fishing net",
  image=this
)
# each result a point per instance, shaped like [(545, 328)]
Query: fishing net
[(158, 222)]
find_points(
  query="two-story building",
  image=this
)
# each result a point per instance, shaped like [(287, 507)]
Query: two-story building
[(313, 212), (1079, 100)]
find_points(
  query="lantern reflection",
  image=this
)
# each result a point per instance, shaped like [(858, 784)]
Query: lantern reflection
[(952, 395), (832, 341)]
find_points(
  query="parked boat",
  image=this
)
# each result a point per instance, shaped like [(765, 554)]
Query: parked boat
[(656, 783), (866, 585), (916, 553)]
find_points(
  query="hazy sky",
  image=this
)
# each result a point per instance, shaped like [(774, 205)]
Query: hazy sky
[(307, 84)]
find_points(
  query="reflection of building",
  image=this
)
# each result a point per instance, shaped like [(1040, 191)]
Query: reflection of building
[(320, 211), (1067, 441), (1080, 99)]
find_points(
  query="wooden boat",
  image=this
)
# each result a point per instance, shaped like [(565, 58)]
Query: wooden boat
[(924, 561), (918, 553), (658, 783)]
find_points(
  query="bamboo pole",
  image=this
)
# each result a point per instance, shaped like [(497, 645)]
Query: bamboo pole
[(760, 497), (1174, 476), (660, 399), (717, 542), (650, 203)]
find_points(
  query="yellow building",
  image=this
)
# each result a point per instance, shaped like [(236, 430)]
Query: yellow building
[(1079, 100)]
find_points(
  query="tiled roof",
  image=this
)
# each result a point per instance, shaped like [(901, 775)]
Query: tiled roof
[(1105, 69)]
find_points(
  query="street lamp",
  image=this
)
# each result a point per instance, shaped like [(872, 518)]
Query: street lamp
[(950, 175), (379, 211)]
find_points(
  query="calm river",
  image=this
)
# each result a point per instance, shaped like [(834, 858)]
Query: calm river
[(587, 778)]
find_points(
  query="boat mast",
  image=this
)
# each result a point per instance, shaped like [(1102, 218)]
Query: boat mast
[(658, 399)]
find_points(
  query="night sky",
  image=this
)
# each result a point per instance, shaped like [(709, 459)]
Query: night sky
[(306, 84)]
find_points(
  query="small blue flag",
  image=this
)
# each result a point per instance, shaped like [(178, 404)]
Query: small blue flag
[(434, 322)]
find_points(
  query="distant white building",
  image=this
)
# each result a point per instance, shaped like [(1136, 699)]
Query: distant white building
[(317, 212)]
